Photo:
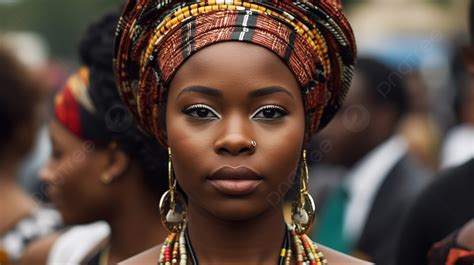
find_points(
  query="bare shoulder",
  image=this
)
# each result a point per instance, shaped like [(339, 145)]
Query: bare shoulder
[(37, 251), (338, 258), (149, 256)]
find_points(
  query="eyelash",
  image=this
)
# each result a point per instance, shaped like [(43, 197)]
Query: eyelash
[(191, 109), (283, 112)]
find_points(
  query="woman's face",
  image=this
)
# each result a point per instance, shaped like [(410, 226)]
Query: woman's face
[(72, 177), (221, 99)]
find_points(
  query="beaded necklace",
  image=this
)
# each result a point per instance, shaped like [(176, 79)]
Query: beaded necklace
[(177, 246)]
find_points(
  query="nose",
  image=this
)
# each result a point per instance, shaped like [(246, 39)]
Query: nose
[(235, 138), (46, 173)]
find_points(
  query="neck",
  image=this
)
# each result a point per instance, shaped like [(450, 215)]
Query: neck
[(255, 241), (137, 226)]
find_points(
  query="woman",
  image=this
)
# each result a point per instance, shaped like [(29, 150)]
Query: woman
[(103, 167), (234, 89), (22, 219)]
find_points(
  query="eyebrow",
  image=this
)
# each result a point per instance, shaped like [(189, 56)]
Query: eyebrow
[(201, 89), (262, 92)]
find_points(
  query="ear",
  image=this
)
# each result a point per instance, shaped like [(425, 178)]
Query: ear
[(117, 162)]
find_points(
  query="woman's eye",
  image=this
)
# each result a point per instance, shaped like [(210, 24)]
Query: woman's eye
[(271, 112), (201, 111)]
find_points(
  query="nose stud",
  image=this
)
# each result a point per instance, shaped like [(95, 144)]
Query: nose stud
[(253, 144)]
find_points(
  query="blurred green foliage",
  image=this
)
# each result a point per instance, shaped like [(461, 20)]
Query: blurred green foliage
[(60, 22)]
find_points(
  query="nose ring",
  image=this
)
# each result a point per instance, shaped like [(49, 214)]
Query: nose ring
[(253, 143)]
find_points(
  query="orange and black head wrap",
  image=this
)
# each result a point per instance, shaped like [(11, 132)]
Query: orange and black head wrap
[(312, 37)]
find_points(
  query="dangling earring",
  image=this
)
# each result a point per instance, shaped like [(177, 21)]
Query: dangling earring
[(172, 203), (303, 210)]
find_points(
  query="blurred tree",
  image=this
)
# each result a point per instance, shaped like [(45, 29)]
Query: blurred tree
[(60, 22)]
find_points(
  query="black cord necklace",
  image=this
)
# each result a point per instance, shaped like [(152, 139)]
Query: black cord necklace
[(286, 246)]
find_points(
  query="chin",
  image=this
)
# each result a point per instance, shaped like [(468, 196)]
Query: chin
[(238, 210)]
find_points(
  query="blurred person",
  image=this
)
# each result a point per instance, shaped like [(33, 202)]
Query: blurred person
[(455, 249), (22, 219), (458, 146), (361, 216), (418, 127), (439, 227), (31, 50), (439, 223), (102, 168), (440, 210), (459, 141)]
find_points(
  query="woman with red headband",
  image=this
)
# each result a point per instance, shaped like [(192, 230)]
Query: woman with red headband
[(102, 168), (234, 90)]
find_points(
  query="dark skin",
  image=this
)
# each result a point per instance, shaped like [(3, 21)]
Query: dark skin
[(359, 118), (73, 183), (18, 136), (214, 110), (15, 203), (467, 106), (466, 235)]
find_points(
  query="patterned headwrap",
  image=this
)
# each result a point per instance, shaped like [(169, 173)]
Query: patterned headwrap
[(155, 37), (74, 109)]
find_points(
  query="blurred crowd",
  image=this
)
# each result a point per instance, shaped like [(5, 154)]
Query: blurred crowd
[(392, 174)]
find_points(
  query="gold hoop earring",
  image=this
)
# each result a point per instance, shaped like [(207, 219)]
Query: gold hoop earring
[(172, 204), (303, 210), (106, 178)]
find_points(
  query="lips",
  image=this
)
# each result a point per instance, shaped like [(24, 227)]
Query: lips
[(236, 181), (53, 196)]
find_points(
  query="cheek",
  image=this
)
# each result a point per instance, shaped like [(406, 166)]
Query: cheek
[(281, 151), (80, 189), (190, 145), (189, 150)]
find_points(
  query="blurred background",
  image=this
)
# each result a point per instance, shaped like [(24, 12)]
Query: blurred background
[(420, 39)]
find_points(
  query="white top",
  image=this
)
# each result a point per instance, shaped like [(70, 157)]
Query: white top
[(41, 222), (458, 146), (72, 247), (365, 179)]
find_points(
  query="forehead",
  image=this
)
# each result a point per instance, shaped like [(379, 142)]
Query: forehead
[(235, 65), (62, 137)]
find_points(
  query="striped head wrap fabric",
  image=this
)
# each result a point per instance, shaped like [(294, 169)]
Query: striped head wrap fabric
[(155, 37), (75, 111)]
